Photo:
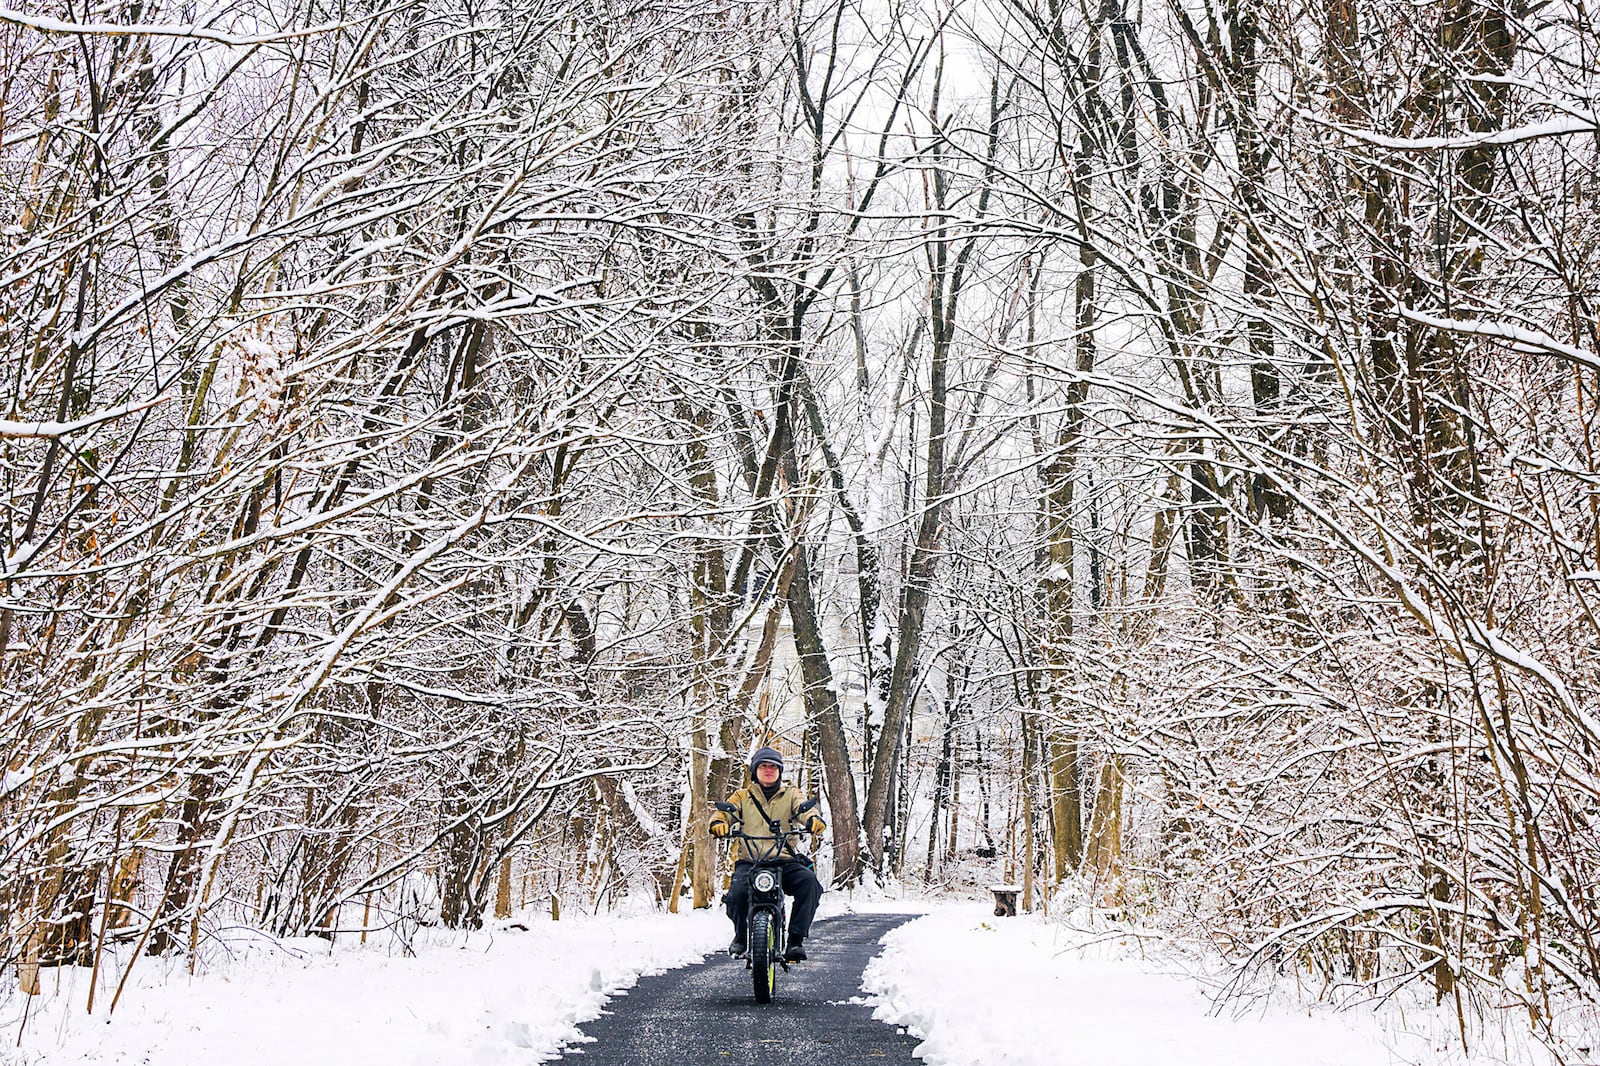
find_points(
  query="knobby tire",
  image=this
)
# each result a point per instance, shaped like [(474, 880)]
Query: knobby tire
[(764, 955)]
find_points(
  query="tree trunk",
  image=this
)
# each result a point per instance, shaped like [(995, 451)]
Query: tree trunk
[(711, 624), (184, 873), (703, 864), (1058, 582), (942, 776), (946, 277), (502, 890), (1030, 769), (953, 834), (679, 875), (1104, 851), (822, 707)]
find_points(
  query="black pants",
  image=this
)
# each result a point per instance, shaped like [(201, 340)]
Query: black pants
[(799, 881)]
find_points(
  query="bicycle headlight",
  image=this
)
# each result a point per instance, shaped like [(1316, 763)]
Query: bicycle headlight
[(765, 881)]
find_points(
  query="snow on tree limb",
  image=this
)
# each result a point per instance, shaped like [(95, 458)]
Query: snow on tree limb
[(19, 430)]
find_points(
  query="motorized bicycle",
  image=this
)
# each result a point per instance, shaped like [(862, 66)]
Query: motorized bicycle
[(766, 931)]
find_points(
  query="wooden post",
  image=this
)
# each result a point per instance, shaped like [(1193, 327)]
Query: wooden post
[(1005, 900)]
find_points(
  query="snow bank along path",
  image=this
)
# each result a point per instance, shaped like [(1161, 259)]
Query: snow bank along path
[(497, 997), (985, 991)]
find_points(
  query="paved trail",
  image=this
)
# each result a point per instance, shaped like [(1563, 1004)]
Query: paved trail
[(705, 1015)]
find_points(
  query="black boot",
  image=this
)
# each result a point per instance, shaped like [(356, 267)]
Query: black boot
[(737, 948), (795, 952)]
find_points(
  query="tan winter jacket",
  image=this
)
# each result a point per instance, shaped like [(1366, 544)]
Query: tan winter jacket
[(781, 807)]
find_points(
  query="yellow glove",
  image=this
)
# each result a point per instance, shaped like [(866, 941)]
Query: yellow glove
[(719, 829), (816, 825)]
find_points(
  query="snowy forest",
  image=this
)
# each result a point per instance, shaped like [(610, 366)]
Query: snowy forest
[(1162, 434)]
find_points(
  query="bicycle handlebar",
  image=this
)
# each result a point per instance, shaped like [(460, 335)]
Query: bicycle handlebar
[(746, 836), (771, 846)]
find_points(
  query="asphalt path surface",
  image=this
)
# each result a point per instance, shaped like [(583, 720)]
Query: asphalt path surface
[(706, 1014)]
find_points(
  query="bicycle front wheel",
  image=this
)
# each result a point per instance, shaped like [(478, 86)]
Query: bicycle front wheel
[(764, 955)]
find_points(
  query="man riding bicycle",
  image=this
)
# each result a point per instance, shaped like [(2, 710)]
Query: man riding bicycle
[(767, 810)]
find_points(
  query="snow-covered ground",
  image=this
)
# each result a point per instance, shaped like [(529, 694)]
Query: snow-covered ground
[(501, 996), (1029, 991), (977, 990)]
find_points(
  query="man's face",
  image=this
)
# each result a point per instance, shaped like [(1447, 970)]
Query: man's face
[(767, 773)]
